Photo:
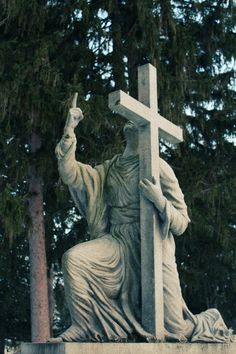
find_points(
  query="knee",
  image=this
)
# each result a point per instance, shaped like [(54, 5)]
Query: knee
[(69, 257)]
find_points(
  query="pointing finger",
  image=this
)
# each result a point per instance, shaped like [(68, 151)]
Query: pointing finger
[(74, 101)]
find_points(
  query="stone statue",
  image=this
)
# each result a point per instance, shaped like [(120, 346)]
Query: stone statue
[(102, 276)]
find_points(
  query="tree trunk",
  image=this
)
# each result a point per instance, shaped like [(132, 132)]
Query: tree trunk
[(51, 300), (40, 331)]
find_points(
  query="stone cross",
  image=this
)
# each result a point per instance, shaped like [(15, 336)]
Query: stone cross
[(143, 112)]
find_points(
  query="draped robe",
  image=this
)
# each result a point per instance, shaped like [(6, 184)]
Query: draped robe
[(102, 276)]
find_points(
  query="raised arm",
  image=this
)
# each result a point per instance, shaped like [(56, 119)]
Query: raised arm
[(86, 184), (65, 149)]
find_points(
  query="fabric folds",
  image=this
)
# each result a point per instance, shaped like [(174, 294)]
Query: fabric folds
[(103, 276)]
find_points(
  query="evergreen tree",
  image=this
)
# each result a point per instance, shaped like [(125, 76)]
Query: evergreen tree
[(14, 291), (29, 81), (50, 49)]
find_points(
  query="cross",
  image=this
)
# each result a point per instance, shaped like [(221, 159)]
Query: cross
[(144, 113)]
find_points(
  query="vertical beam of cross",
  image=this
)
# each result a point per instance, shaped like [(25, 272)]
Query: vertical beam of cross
[(143, 113), (151, 242)]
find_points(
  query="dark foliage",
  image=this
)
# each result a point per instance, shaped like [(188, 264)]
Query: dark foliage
[(50, 49)]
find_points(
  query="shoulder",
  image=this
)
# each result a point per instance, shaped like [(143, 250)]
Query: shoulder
[(166, 172), (105, 166)]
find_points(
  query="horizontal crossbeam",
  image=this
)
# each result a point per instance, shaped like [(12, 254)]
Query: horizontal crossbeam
[(169, 131), (128, 107)]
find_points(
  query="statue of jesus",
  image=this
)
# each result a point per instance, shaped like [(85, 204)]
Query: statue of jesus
[(102, 276)]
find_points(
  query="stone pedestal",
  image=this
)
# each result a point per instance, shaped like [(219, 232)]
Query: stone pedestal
[(127, 348)]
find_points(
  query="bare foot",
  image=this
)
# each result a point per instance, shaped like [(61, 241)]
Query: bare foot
[(152, 339), (121, 340), (176, 338)]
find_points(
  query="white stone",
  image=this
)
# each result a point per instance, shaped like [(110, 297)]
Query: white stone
[(103, 276), (144, 113), (127, 348)]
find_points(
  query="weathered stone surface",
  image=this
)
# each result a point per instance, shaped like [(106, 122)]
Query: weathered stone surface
[(124, 205), (127, 348), (144, 113)]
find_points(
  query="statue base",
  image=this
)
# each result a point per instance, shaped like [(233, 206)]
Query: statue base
[(127, 348)]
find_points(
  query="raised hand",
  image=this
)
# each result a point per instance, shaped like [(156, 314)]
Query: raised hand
[(152, 191), (75, 115)]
